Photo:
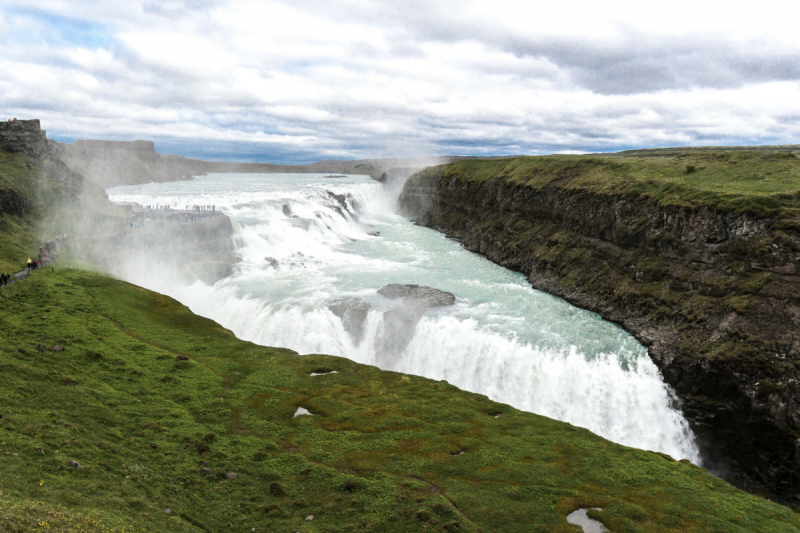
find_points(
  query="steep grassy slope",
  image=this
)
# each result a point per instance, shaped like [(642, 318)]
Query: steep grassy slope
[(166, 410), (695, 253), (18, 210)]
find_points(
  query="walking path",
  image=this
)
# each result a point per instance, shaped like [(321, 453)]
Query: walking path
[(19, 276)]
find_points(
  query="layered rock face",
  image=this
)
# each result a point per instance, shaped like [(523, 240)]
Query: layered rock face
[(715, 296), (23, 136)]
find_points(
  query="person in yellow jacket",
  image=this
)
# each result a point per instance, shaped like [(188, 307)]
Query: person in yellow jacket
[(29, 264)]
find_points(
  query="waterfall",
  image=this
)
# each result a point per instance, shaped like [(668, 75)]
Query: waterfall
[(313, 253)]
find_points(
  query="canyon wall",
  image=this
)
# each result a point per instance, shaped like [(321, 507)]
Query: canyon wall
[(713, 293)]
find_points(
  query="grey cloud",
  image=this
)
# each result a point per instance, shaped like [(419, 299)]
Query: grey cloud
[(633, 63)]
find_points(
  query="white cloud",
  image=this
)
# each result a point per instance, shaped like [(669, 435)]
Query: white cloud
[(368, 78)]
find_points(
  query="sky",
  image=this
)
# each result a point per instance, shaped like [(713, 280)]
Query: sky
[(303, 80)]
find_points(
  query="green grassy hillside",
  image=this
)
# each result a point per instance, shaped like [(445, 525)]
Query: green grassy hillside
[(760, 183), (161, 408)]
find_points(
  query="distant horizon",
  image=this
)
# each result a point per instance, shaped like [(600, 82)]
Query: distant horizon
[(226, 154)]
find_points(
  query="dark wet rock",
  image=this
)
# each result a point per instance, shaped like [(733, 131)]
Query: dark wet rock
[(272, 262), (419, 294), (353, 313), (347, 202), (399, 323), (287, 210), (374, 233), (58, 348), (341, 198)]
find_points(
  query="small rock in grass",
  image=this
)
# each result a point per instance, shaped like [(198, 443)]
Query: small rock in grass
[(40, 450), (301, 411), (168, 510), (231, 475), (41, 347), (75, 464), (182, 358), (44, 317), (310, 517), (153, 445), (207, 471), (58, 348)]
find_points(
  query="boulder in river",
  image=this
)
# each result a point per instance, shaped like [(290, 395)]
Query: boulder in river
[(399, 323), (353, 313), (419, 294)]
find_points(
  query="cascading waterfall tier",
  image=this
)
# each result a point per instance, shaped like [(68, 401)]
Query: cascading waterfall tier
[(314, 253)]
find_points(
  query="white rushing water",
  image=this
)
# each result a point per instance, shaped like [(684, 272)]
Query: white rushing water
[(300, 252)]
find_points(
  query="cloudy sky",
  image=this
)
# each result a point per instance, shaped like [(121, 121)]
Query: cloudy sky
[(304, 80)]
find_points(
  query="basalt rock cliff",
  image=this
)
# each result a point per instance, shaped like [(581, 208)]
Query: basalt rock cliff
[(707, 281)]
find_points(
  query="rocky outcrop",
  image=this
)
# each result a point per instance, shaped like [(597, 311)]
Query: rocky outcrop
[(25, 137), (713, 294), (418, 295), (400, 322), (353, 314)]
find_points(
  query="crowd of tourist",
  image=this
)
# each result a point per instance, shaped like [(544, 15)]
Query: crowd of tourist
[(196, 207), (42, 258)]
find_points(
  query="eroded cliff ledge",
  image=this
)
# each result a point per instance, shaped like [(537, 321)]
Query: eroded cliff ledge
[(694, 253)]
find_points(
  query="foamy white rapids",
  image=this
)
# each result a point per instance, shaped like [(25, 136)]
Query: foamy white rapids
[(306, 241)]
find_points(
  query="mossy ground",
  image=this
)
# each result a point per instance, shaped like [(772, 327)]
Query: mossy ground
[(383, 451)]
